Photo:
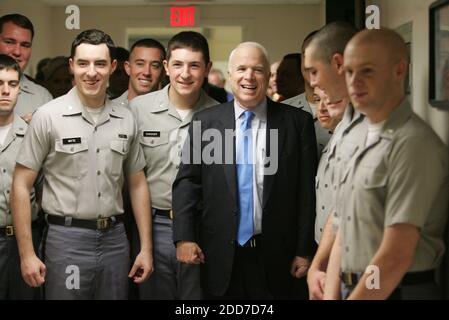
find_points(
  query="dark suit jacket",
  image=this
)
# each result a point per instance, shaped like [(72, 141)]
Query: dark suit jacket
[(206, 207)]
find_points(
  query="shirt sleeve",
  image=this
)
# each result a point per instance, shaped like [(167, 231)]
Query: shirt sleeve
[(417, 174), (36, 143), (135, 159)]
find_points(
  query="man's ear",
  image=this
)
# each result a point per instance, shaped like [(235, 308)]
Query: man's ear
[(337, 61), (113, 65), (71, 62), (208, 67), (165, 62), (127, 68)]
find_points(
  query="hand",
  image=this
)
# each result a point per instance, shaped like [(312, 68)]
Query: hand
[(27, 117), (189, 252), (299, 267), (316, 280), (142, 268), (33, 271)]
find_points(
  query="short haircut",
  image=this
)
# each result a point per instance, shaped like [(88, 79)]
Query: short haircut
[(307, 40), (95, 37), (18, 20), (121, 54), (189, 39), (6, 62), (331, 39), (219, 73), (252, 44), (148, 43)]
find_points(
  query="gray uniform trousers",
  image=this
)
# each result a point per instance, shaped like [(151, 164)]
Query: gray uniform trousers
[(171, 279), (86, 264), (12, 285)]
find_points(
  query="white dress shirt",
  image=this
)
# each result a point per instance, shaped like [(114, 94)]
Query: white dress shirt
[(259, 129)]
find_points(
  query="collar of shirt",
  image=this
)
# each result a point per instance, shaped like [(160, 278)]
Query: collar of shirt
[(26, 85), (123, 99), (75, 106), (260, 111), (397, 118)]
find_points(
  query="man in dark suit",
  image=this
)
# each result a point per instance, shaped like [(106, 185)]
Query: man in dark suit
[(244, 203)]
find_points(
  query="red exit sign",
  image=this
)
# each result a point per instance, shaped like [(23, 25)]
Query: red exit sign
[(182, 16)]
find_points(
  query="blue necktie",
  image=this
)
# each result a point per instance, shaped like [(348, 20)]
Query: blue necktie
[(245, 165)]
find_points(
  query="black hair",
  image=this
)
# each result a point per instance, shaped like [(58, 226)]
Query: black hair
[(148, 43), (189, 39), (18, 20), (6, 62), (95, 37)]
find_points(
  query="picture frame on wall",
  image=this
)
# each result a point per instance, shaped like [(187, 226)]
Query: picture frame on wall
[(439, 54)]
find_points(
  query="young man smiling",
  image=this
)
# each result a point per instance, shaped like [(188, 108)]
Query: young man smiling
[(86, 146), (163, 118)]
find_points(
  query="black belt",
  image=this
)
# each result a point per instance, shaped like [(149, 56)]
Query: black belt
[(8, 231), (99, 224), (164, 213), (254, 242), (410, 278)]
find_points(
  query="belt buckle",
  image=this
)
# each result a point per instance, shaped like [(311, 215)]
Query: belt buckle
[(103, 223), (170, 214), (9, 231), (347, 278)]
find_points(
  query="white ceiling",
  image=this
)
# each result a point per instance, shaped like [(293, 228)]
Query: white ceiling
[(172, 2)]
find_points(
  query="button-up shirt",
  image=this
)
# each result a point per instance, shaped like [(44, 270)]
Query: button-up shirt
[(83, 163), (401, 177), (259, 137), (162, 133), (8, 154), (31, 96)]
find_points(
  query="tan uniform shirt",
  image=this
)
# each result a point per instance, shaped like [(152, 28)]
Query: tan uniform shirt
[(8, 154), (31, 97), (122, 100), (336, 156), (162, 134), (83, 163), (402, 177)]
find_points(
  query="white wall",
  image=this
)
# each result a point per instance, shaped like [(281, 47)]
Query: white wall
[(280, 29), (395, 13)]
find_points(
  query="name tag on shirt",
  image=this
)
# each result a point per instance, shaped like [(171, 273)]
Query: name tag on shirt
[(122, 136), (153, 134), (71, 140)]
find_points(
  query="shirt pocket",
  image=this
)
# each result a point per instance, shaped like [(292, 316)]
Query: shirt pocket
[(72, 159), (156, 149), (375, 180), (119, 150)]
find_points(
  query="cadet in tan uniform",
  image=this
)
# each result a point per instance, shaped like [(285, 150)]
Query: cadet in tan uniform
[(324, 62), (391, 228), (12, 131), (86, 146), (163, 119), (144, 68), (16, 36), (308, 101)]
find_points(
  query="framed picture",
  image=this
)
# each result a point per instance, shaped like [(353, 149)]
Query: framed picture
[(439, 54)]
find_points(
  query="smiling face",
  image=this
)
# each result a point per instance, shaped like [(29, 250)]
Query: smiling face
[(144, 69), (370, 77), (9, 91), (187, 71), (91, 67), (326, 120), (15, 42), (248, 75)]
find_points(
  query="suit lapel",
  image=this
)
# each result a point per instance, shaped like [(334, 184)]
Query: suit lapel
[(274, 122), (227, 120)]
